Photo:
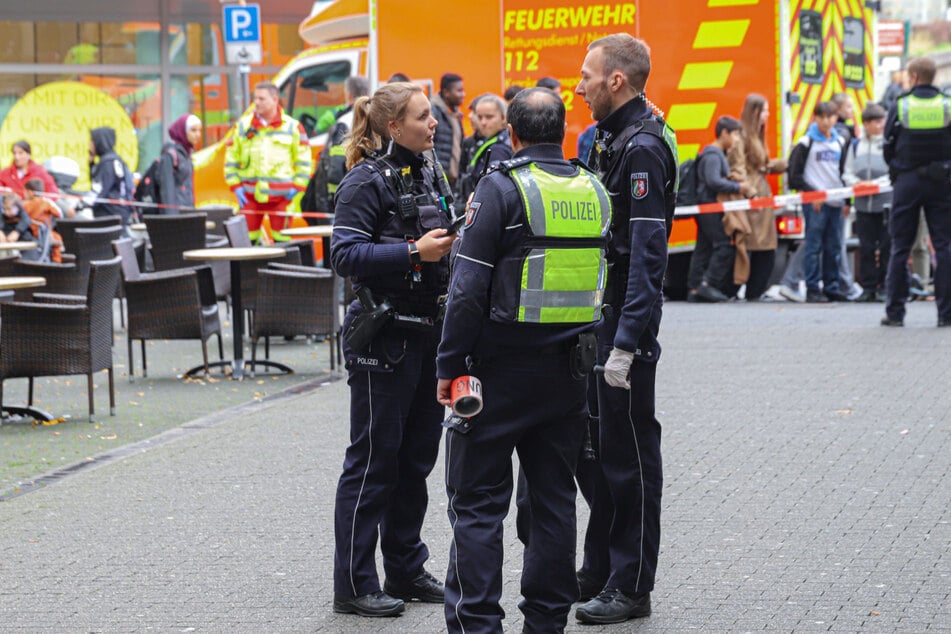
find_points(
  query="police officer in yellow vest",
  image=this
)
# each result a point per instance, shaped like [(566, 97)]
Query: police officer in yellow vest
[(267, 162), (918, 152), (525, 295)]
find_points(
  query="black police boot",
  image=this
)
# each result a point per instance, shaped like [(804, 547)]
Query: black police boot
[(424, 587), (888, 321), (374, 604), (613, 606)]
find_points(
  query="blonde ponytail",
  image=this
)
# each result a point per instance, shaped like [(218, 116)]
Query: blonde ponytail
[(371, 116)]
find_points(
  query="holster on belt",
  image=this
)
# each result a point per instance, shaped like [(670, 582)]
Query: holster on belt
[(368, 324), (938, 171), (583, 355)]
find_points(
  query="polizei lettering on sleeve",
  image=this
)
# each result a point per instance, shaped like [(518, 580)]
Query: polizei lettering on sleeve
[(574, 210)]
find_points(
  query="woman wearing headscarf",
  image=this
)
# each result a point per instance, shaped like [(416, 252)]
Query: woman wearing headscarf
[(175, 172)]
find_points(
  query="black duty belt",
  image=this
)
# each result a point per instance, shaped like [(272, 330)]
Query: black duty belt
[(560, 347), (422, 307)]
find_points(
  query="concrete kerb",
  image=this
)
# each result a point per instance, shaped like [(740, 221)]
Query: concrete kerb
[(168, 436)]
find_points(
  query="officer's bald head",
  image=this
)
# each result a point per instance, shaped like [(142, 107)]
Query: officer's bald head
[(537, 115)]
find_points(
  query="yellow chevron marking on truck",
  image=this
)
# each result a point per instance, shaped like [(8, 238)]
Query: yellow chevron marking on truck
[(721, 33), (687, 151), (699, 75), (731, 3), (691, 116)]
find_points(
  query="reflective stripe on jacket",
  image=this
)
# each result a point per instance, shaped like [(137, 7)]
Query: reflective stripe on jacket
[(558, 274), (269, 160)]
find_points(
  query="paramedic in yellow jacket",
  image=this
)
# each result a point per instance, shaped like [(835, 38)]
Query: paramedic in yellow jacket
[(267, 162)]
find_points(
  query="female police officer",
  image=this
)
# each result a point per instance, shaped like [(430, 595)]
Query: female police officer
[(390, 237)]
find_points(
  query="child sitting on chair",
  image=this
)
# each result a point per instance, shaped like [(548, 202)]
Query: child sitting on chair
[(43, 210)]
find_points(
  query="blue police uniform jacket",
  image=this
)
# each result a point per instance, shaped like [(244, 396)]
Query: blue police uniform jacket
[(641, 181), (905, 150), (496, 226), (370, 235)]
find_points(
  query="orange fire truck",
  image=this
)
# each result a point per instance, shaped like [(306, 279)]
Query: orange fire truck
[(707, 56)]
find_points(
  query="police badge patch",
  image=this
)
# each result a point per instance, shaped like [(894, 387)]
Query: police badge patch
[(639, 185), (471, 210)]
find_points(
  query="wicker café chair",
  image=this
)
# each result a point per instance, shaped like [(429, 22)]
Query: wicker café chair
[(237, 231), (66, 227), (218, 215), (62, 279), (60, 335), (295, 303), (172, 235), (95, 243), (179, 304)]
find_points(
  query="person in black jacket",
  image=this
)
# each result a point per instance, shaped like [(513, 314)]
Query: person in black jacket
[(918, 152), (517, 337), (110, 176), (449, 133), (636, 158), (711, 258), (492, 143), (389, 237)]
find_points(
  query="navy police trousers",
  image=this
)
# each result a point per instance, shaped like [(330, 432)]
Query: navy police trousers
[(534, 407), (913, 191), (394, 441)]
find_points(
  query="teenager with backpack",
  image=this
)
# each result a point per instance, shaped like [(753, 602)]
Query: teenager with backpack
[(815, 164), (710, 262)]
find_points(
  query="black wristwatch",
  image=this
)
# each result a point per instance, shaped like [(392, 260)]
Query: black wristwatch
[(414, 257)]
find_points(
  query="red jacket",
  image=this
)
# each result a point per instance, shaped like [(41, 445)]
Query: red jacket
[(10, 178)]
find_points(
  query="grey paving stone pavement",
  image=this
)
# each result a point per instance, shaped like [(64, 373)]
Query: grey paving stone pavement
[(808, 489)]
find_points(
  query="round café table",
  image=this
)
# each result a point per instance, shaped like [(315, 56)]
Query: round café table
[(8, 284), (140, 226), (18, 246), (316, 231), (236, 255)]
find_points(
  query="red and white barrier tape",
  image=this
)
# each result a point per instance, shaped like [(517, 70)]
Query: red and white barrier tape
[(784, 200), (131, 203)]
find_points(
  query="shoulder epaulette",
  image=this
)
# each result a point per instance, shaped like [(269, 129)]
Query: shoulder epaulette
[(577, 162), (513, 163)]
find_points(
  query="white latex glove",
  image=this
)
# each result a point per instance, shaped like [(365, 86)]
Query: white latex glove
[(617, 369)]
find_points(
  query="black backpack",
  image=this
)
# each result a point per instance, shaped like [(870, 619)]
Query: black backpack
[(688, 192), (148, 189)]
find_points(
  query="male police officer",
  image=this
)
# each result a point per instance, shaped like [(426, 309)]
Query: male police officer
[(918, 152), (635, 155), (526, 291)]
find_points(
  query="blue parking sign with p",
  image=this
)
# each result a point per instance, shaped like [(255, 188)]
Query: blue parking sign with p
[(242, 24)]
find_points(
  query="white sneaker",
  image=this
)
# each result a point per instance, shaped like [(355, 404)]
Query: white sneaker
[(790, 294)]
